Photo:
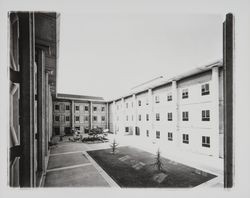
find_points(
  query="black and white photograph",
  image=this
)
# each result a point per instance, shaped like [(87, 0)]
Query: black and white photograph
[(125, 96)]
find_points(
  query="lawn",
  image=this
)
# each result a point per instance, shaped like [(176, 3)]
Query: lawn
[(132, 167)]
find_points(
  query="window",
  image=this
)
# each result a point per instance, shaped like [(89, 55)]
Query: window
[(126, 129), (139, 117), (157, 99), (127, 118), (77, 128), (185, 93), (170, 136), (169, 96), (67, 118), (139, 103), (147, 117), (205, 89), (137, 131), (94, 108), (205, 115), (77, 118), (57, 118), (103, 108), (205, 141), (56, 107), (86, 108), (67, 107), (77, 108), (86, 118), (94, 118), (185, 116), (170, 116), (57, 130), (185, 138), (147, 133), (158, 134), (157, 116), (103, 118)]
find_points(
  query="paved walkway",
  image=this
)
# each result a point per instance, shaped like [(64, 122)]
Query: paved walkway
[(69, 164)]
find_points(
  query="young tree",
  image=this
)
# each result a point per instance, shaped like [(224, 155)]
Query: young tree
[(158, 161), (114, 146)]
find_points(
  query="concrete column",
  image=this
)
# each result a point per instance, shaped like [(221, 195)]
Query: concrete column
[(214, 112), (134, 113), (114, 118), (72, 114), (123, 117), (90, 115), (151, 113), (46, 111), (176, 118), (107, 116)]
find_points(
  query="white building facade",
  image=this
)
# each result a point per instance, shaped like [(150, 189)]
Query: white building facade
[(185, 112)]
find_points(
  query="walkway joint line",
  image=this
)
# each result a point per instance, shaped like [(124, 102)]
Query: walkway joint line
[(68, 167)]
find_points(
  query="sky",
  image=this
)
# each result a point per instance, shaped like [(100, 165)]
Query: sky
[(106, 54)]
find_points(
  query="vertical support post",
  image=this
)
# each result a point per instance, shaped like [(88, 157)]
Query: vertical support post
[(27, 99), (228, 55), (176, 119), (46, 112), (107, 116), (90, 115), (72, 114), (41, 110), (114, 117)]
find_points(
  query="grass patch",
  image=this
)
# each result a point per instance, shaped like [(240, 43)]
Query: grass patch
[(132, 167)]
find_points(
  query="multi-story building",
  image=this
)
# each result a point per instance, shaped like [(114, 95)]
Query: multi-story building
[(185, 111), (78, 112)]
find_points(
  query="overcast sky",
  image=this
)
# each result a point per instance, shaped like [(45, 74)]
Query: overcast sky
[(106, 54)]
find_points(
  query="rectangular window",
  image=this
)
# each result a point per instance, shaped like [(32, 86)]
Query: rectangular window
[(86, 108), (126, 129), (170, 116), (157, 99), (185, 116), (77, 118), (67, 107), (147, 133), (67, 118), (94, 108), (103, 108), (185, 93), (157, 117), (57, 118), (94, 118), (77, 108), (147, 117), (139, 103), (205, 89), (56, 107), (139, 117), (103, 118), (137, 131), (205, 141), (205, 115), (185, 138), (77, 128), (170, 136), (86, 118), (169, 96), (158, 134)]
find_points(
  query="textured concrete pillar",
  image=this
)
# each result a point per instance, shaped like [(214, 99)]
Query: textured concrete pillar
[(151, 111), (114, 118), (107, 116), (134, 113), (46, 112), (72, 114), (214, 113), (176, 118), (90, 115), (123, 117)]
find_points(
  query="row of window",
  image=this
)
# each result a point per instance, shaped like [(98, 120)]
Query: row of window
[(204, 91), (205, 116), (185, 137), (77, 108), (77, 118)]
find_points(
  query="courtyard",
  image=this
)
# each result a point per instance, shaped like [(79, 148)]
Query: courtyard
[(76, 164)]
